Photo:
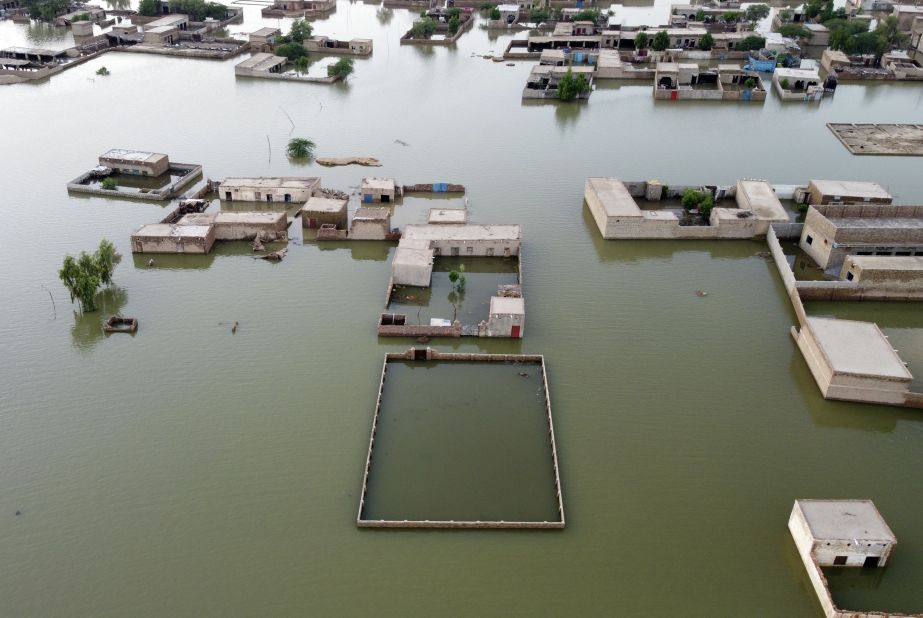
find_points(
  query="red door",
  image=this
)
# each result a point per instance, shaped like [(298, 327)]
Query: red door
[(673, 95), (516, 331)]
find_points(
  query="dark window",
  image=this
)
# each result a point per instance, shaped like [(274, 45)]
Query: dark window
[(849, 276), (839, 560), (871, 561), (809, 239)]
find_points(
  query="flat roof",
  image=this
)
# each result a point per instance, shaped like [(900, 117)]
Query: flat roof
[(411, 256), (324, 204), (763, 200), (167, 230), (138, 156), (35, 51), (371, 214), (614, 197), (262, 62), (160, 29), (857, 348), (851, 188), (508, 7), (273, 182), (197, 218), (877, 223), (385, 184), (447, 215), (845, 520), (466, 232), (502, 304), (888, 262), (230, 217), (815, 27), (804, 73), (168, 20), (266, 32)]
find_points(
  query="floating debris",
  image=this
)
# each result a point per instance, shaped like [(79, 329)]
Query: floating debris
[(422, 339), (118, 324), (150, 262), (334, 161), (763, 254), (523, 374), (701, 293), (234, 328), (273, 256), (401, 142), (334, 194), (258, 242)]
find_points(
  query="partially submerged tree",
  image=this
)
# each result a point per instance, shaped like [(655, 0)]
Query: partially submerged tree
[(572, 86), (102, 71), (300, 31), (454, 23), (341, 68), (423, 28), (301, 64), (83, 275), (300, 148), (292, 51), (199, 10), (889, 29), (661, 41), (109, 184)]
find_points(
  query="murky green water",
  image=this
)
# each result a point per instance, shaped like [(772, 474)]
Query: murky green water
[(190, 471)]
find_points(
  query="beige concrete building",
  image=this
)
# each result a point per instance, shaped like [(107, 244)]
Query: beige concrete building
[(329, 45), (320, 210), (137, 162), (242, 225), (260, 65), (688, 81), (160, 35), (378, 190), (618, 215), (269, 189), (468, 239), (898, 272), (822, 192), (853, 361), (507, 317), (412, 263), (832, 232), (264, 38), (167, 238), (798, 84), (840, 533), (370, 224), (447, 215)]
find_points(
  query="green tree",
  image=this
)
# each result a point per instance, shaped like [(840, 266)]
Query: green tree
[(751, 43), (588, 15), (866, 43), (731, 17), (642, 41), (103, 71), (486, 6), (572, 86), (301, 64), (423, 28), (109, 184), (700, 15), (661, 41), (794, 31), (45, 10), (454, 23), (300, 148), (341, 68), (691, 199), (453, 12), (705, 206), (83, 275), (495, 13), (756, 12), (198, 10), (889, 29), (706, 42), (538, 15), (292, 51), (149, 8), (300, 31)]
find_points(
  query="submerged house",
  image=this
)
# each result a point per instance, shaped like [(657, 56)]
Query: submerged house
[(689, 81), (544, 80), (299, 8), (327, 45), (798, 84), (269, 189), (136, 162)]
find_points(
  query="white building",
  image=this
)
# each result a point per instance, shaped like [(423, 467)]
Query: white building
[(267, 189)]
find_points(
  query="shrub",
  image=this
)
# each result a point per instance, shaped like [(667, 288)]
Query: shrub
[(292, 51), (495, 13), (642, 41), (342, 68), (423, 28), (785, 83), (539, 15), (149, 8), (198, 10), (751, 43), (588, 15), (300, 148), (750, 83), (661, 41), (731, 16), (706, 42), (794, 31), (109, 184), (102, 71), (756, 12), (487, 6), (454, 23), (700, 15)]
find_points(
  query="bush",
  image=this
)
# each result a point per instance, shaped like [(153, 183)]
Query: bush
[(588, 15), (300, 148), (538, 15), (453, 12), (109, 184), (700, 15), (198, 10), (706, 42), (341, 68), (691, 199), (487, 6), (661, 41), (785, 83), (571, 86), (300, 31), (83, 275), (794, 31), (642, 41), (750, 83), (731, 17), (454, 23), (292, 51), (495, 13), (751, 43), (423, 28), (756, 12), (705, 207), (102, 71), (149, 8)]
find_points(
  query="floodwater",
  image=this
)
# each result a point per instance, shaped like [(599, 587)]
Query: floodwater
[(187, 470), (446, 451)]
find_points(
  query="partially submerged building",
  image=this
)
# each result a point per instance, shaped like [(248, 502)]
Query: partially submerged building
[(798, 84), (370, 224), (265, 65), (320, 211), (173, 238), (834, 231), (378, 190), (299, 8), (229, 225), (264, 39), (618, 215), (689, 81), (329, 45), (139, 162), (544, 80), (269, 189), (853, 361), (823, 192), (840, 533)]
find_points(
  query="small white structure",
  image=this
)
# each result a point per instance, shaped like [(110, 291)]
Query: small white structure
[(447, 215), (798, 84), (412, 263), (853, 361), (377, 190), (138, 162), (848, 533), (320, 210), (509, 13), (507, 317)]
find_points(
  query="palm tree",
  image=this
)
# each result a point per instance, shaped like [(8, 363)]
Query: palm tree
[(300, 148)]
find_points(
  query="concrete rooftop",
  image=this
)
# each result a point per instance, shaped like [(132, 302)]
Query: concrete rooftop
[(273, 182), (323, 204), (763, 200), (447, 215), (858, 348), (162, 230), (888, 262), (851, 188), (851, 520), (502, 304), (614, 197), (467, 232)]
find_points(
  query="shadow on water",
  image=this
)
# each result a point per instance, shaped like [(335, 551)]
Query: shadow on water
[(87, 330), (384, 15), (376, 251), (172, 261)]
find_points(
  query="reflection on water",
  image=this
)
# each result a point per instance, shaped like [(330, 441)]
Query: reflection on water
[(87, 330)]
